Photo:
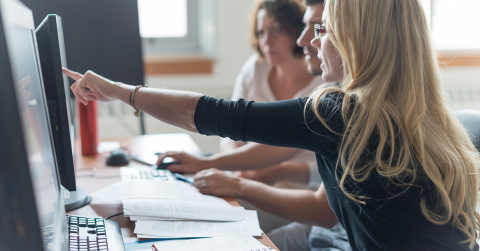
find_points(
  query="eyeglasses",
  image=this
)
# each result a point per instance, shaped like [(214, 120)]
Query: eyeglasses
[(319, 30)]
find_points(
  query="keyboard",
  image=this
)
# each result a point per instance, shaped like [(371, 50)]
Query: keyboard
[(90, 234), (146, 173)]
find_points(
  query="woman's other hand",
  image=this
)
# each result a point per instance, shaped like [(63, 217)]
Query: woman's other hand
[(92, 86), (218, 183), (188, 163)]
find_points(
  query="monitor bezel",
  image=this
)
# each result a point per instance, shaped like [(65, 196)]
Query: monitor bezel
[(19, 218)]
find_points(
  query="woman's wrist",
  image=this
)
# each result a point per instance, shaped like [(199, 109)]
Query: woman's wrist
[(122, 91), (243, 187), (209, 162), (202, 163)]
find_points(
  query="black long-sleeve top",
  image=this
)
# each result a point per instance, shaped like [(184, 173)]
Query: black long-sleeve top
[(383, 223)]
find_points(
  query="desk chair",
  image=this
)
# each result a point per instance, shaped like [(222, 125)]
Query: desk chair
[(470, 119)]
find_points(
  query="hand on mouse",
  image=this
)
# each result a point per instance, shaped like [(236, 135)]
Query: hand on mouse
[(188, 163)]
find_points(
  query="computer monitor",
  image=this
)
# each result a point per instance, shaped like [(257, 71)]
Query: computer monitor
[(51, 48), (32, 214)]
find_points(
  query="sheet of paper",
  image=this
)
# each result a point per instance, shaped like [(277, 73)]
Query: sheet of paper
[(162, 229), (183, 209), (153, 189), (237, 242)]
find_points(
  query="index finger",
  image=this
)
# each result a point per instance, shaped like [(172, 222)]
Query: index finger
[(72, 74)]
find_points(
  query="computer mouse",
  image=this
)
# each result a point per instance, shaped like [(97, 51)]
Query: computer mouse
[(166, 162), (118, 158)]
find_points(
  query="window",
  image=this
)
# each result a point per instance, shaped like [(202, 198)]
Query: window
[(455, 24), (162, 18), (168, 26)]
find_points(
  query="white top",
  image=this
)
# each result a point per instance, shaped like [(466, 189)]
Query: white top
[(252, 84)]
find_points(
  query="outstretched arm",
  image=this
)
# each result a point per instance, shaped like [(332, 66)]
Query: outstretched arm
[(279, 123), (174, 107)]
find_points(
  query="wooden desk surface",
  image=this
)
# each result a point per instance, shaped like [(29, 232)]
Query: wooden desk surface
[(108, 175)]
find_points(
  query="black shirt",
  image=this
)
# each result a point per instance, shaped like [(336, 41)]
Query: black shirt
[(383, 223)]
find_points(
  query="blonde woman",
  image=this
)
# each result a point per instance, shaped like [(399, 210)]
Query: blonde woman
[(399, 170)]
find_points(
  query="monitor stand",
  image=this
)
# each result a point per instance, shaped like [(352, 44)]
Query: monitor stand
[(77, 199)]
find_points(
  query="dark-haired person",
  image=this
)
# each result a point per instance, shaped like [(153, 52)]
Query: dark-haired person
[(399, 169), (284, 164), (277, 71)]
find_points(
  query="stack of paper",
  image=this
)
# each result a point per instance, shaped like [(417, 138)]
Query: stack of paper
[(237, 242), (168, 218), (178, 210)]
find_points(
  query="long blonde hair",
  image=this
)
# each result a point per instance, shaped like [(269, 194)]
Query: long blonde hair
[(391, 71)]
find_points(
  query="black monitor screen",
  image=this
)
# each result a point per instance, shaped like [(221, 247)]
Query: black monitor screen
[(51, 49)]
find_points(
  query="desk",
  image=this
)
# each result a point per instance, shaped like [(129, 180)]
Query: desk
[(108, 175)]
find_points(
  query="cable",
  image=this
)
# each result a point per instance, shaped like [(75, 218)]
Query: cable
[(113, 216)]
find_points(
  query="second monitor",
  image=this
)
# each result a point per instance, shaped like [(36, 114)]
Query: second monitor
[(57, 90)]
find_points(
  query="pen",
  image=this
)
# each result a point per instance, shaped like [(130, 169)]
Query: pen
[(182, 178), (154, 248)]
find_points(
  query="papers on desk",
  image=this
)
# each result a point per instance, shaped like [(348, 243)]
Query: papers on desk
[(183, 229), (153, 189), (176, 209), (183, 209), (236, 242)]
